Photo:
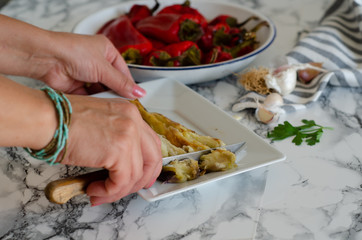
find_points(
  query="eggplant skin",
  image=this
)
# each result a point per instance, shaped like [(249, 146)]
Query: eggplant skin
[(179, 171), (217, 160)]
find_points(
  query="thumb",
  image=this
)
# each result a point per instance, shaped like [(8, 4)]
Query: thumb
[(118, 78)]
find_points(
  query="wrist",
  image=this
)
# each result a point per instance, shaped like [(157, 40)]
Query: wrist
[(46, 123), (27, 116), (55, 150)]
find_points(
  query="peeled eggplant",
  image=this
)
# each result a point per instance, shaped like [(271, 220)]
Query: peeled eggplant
[(217, 160), (179, 171)]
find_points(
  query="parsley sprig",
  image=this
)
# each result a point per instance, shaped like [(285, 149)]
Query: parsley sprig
[(310, 131)]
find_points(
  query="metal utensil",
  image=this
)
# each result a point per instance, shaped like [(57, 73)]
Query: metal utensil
[(60, 191)]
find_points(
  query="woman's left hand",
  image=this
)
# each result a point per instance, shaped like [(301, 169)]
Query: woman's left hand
[(85, 59)]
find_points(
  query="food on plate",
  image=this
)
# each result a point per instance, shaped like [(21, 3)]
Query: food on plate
[(176, 139), (218, 160), (179, 171), (168, 149), (162, 38), (176, 133)]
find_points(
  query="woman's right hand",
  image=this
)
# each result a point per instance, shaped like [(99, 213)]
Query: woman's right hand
[(111, 134)]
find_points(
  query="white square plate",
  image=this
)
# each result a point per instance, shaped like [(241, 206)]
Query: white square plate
[(181, 104)]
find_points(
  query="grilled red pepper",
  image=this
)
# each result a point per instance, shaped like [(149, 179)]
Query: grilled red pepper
[(157, 44), (243, 48), (231, 21), (215, 35), (240, 35), (138, 12), (129, 42), (187, 53), (101, 30), (184, 8), (171, 27), (217, 54), (159, 58)]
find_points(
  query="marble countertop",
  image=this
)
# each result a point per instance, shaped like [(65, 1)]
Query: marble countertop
[(316, 193)]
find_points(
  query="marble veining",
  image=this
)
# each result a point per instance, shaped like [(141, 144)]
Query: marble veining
[(315, 194)]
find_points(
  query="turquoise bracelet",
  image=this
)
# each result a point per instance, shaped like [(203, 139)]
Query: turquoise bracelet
[(58, 145)]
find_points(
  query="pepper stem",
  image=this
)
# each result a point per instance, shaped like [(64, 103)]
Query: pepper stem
[(191, 56), (132, 56), (235, 50), (239, 25), (259, 25), (157, 5), (189, 30), (186, 3)]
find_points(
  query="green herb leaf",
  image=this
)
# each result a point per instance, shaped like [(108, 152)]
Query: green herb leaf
[(310, 132)]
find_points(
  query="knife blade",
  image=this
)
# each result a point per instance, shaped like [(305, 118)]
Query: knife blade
[(62, 190)]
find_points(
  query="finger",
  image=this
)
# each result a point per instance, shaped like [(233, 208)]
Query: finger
[(152, 157), (121, 82), (96, 201), (107, 188), (119, 63)]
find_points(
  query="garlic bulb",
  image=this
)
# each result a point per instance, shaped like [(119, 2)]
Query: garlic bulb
[(283, 82), (284, 79)]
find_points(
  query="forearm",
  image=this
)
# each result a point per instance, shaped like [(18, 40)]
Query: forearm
[(27, 116), (25, 50)]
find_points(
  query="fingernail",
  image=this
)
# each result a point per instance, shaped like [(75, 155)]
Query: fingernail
[(95, 205), (138, 92)]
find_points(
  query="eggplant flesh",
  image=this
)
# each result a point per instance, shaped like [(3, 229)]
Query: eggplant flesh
[(217, 160), (179, 171)]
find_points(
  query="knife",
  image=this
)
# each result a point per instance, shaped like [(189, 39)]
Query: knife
[(62, 190)]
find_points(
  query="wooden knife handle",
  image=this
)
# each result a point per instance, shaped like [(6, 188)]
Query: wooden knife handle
[(60, 191)]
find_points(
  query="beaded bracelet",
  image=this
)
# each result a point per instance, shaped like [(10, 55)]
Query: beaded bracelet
[(58, 144)]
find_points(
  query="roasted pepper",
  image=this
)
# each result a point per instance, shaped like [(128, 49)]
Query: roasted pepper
[(187, 53), (231, 21), (215, 35), (138, 12), (217, 54), (172, 27), (184, 8), (159, 58), (128, 40), (239, 35)]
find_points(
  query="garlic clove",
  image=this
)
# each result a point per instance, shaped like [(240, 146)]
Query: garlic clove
[(273, 101), (263, 115), (307, 74)]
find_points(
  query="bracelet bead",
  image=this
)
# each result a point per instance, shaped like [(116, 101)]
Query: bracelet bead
[(58, 145)]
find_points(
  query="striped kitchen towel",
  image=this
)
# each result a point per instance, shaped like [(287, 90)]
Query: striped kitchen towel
[(337, 43)]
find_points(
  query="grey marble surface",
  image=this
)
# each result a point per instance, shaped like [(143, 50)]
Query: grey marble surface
[(315, 194)]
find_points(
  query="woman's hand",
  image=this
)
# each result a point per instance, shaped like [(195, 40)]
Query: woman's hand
[(65, 61), (111, 134), (88, 59)]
